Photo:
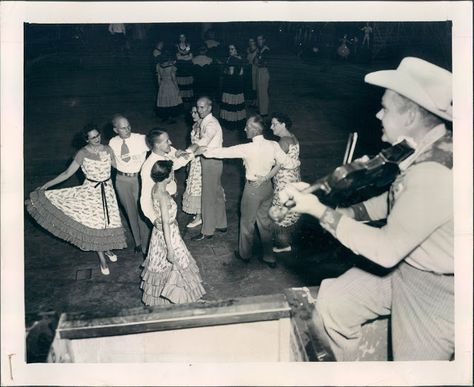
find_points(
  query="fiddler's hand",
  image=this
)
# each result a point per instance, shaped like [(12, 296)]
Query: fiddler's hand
[(298, 201), (362, 159)]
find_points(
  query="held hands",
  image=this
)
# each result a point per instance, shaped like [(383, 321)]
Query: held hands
[(200, 150), (182, 153), (306, 203)]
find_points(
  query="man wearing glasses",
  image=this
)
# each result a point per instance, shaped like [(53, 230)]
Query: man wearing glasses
[(130, 151)]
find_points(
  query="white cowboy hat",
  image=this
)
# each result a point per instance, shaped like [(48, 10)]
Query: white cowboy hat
[(424, 83)]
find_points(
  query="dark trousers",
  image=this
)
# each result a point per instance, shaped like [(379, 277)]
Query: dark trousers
[(212, 198), (256, 201), (263, 78)]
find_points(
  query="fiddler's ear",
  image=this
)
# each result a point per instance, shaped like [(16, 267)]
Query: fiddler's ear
[(410, 116)]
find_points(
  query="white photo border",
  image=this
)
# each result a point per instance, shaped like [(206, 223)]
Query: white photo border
[(15, 371)]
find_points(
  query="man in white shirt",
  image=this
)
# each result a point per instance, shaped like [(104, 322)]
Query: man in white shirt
[(212, 198), (161, 149), (259, 157), (130, 151), (417, 242)]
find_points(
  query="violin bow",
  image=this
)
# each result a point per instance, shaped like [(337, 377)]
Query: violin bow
[(350, 147)]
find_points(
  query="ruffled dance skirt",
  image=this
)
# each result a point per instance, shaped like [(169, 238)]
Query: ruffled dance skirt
[(101, 237), (164, 282)]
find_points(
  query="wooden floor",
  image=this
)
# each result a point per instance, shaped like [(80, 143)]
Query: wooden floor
[(65, 90)]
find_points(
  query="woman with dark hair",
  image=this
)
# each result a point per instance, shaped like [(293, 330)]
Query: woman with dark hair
[(184, 64), (170, 273), (87, 215), (233, 111), (284, 229)]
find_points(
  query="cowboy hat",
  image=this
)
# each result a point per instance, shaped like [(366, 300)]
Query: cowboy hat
[(424, 83)]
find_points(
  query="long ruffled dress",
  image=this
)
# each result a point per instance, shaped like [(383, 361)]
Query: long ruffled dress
[(233, 111), (184, 74), (87, 215), (162, 281), (192, 194)]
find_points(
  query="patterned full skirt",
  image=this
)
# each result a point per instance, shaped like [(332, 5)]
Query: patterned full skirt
[(86, 216), (192, 194), (164, 282)]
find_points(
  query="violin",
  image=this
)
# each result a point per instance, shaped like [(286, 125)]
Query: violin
[(345, 185)]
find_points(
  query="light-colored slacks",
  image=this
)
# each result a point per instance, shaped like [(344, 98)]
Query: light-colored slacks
[(256, 201), (421, 305), (128, 190), (212, 197)]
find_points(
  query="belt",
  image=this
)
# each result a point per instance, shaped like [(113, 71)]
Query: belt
[(127, 174), (102, 185), (254, 182), (429, 271)]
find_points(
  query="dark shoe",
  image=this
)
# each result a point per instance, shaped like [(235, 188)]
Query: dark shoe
[(222, 229), (138, 249), (237, 255), (271, 265), (201, 237)]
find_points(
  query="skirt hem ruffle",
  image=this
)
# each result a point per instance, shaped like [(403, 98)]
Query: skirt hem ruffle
[(60, 225), (191, 204), (175, 285)]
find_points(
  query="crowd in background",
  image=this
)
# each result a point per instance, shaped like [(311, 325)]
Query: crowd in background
[(237, 78)]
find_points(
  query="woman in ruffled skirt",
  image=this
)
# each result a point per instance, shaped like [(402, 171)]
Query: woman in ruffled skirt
[(284, 229), (184, 74), (87, 215), (233, 113), (192, 194), (170, 273)]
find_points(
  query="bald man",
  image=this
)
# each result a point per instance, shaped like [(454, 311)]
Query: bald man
[(130, 152)]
